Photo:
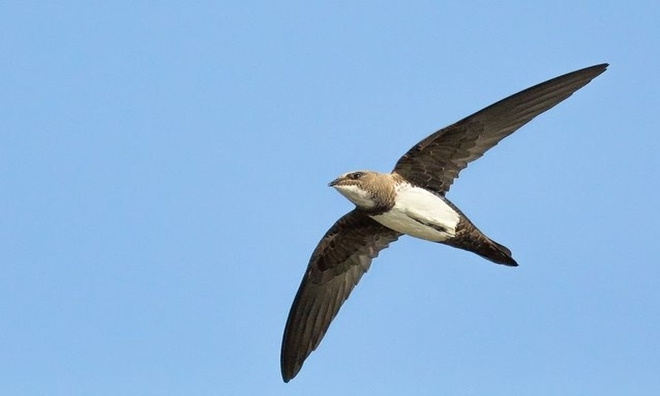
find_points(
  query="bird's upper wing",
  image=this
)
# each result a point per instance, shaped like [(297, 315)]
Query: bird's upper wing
[(435, 162), (337, 264)]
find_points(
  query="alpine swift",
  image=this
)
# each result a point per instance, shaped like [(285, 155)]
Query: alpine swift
[(409, 200)]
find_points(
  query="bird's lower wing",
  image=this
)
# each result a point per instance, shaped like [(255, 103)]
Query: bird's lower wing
[(342, 256)]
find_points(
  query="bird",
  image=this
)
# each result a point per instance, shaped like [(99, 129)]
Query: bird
[(410, 200)]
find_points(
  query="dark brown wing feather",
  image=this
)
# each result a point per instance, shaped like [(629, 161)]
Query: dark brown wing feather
[(342, 256), (435, 162)]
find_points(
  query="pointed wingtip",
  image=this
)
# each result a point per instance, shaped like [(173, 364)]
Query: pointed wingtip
[(601, 67), (288, 373), (288, 368), (593, 71)]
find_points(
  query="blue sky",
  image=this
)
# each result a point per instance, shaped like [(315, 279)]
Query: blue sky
[(164, 169)]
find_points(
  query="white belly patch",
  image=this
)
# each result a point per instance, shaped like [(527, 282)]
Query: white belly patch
[(419, 213)]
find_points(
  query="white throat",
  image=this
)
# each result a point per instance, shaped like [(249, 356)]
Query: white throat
[(357, 195)]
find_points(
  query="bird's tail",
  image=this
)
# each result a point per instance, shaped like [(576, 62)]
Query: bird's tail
[(495, 252), (468, 237), (476, 242)]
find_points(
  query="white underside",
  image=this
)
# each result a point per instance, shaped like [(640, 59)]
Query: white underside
[(415, 207)]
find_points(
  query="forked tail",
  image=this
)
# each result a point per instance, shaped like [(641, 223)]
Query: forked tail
[(468, 237), (495, 252)]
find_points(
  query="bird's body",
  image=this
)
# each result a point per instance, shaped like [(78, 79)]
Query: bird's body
[(410, 200), (421, 214), (393, 202)]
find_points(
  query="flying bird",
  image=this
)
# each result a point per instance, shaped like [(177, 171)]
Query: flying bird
[(409, 200)]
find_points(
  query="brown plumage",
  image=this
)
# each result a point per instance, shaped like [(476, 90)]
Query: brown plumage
[(469, 237), (424, 174), (337, 264), (381, 187)]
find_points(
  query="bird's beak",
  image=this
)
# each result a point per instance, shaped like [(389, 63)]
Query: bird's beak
[(334, 182)]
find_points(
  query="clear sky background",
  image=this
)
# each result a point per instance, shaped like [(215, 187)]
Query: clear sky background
[(163, 168)]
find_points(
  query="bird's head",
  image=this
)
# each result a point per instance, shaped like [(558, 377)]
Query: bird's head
[(363, 188)]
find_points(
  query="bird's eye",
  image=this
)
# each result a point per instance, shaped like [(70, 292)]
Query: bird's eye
[(356, 175)]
